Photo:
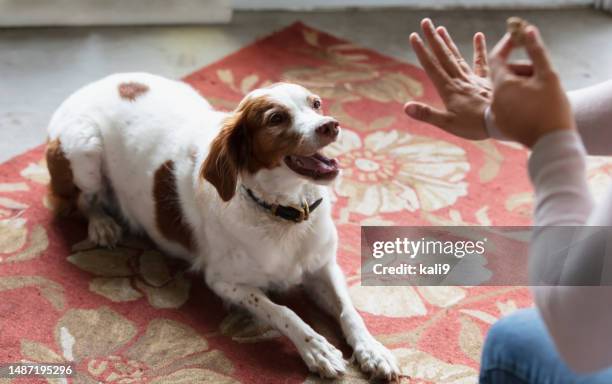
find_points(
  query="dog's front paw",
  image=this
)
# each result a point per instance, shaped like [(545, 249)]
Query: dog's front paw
[(375, 359), (104, 231), (321, 357)]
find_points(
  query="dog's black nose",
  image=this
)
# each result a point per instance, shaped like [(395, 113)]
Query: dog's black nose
[(329, 130)]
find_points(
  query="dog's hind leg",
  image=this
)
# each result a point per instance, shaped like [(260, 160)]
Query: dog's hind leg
[(102, 229), (82, 144)]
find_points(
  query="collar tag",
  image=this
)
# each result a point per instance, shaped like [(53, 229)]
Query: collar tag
[(303, 211)]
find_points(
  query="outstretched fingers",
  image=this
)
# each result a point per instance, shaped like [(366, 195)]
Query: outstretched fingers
[(443, 54), (481, 62), (450, 44), (431, 66)]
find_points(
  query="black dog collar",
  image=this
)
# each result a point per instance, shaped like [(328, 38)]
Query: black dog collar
[(291, 213)]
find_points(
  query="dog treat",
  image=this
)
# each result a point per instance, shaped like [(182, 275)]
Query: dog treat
[(516, 29)]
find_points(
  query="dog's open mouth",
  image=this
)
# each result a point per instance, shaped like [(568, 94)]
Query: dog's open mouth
[(316, 167)]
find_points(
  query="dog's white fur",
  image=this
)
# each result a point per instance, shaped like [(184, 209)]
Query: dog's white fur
[(117, 144)]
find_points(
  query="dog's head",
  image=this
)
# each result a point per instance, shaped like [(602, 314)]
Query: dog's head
[(276, 129)]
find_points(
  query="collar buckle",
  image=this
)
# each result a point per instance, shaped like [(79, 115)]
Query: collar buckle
[(274, 208), (304, 211)]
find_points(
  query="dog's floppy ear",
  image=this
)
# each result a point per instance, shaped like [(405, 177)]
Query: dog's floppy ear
[(228, 153)]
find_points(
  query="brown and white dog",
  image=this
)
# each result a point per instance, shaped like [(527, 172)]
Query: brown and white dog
[(240, 195)]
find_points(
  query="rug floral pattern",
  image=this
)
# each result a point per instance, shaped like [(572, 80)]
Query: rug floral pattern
[(132, 315)]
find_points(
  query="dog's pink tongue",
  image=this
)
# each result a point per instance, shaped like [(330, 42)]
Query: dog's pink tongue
[(314, 164), (316, 167)]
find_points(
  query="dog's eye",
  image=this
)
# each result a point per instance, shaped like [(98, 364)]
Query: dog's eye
[(316, 104), (277, 118)]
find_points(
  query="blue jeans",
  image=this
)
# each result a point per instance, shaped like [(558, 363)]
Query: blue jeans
[(518, 350)]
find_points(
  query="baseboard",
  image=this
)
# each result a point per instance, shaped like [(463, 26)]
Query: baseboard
[(21, 13)]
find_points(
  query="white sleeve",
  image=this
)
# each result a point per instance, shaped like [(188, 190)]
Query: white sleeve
[(592, 108), (578, 317)]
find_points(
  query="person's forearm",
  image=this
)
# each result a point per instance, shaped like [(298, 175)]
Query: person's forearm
[(592, 108), (577, 317), (557, 169)]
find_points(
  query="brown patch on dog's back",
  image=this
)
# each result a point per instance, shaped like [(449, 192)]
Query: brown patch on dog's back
[(132, 90), (63, 193), (168, 211)]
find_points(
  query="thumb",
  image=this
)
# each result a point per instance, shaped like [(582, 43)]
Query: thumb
[(427, 114), (537, 52)]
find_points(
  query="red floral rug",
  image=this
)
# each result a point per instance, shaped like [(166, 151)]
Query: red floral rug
[(131, 315)]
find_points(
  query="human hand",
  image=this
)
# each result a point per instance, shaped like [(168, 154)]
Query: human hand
[(528, 101), (465, 90)]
